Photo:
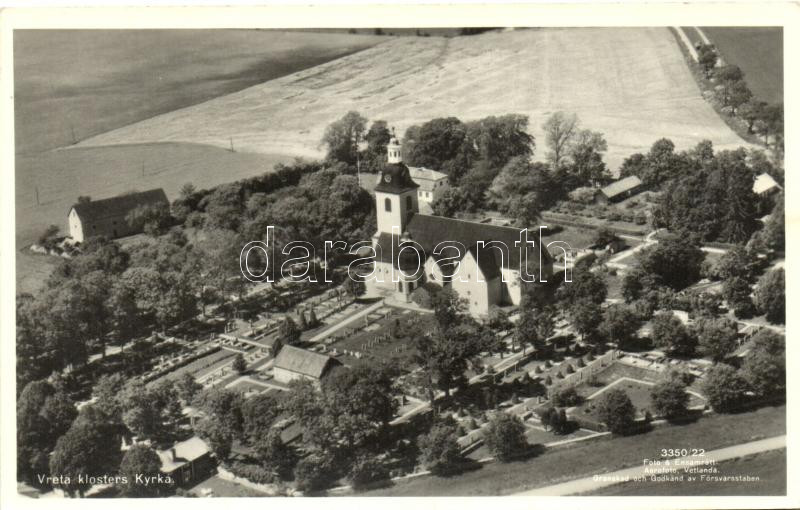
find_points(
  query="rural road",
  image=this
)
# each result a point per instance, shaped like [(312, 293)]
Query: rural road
[(590, 484)]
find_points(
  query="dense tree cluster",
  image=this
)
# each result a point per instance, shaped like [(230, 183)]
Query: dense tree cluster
[(505, 436), (616, 411), (770, 296), (714, 199), (669, 396), (669, 333), (439, 449)]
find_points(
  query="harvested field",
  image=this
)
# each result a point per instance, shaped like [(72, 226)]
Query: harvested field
[(72, 84), (632, 84)]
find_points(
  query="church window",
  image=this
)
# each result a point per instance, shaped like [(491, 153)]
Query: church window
[(409, 203), (387, 205)]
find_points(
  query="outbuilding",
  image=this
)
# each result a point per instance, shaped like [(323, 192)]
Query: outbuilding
[(108, 217)]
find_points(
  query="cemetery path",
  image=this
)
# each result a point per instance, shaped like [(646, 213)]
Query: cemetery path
[(589, 483), (333, 329)]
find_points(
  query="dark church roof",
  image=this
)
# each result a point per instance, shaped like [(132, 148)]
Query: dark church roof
[(447, 234), (396, 178), (120, 205), (429, 231)]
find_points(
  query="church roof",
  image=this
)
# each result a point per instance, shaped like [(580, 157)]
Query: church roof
[(120, 205), (429, 231), (447, 234), (396, 178)]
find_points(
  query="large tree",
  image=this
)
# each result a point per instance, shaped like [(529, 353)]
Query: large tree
[(89, 448), (151, 412), (764, 367), (620, 325), (522, 189), (442, 144), (43, 415), (139, 463), (439, 450), (351, 410), (586, 316), (669, 397), (505, 436), (668, 332), (343, 136), (499, 139), (559, 131), (659, 262), (717, 337), (725, 388), (770, 296), (616, 411)]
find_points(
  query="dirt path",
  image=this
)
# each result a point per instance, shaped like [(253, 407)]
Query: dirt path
[(591, 483)]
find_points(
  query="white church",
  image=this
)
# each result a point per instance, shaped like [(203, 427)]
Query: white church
[(483, 263)]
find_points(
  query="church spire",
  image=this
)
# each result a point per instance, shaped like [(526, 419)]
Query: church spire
[(393, 149)]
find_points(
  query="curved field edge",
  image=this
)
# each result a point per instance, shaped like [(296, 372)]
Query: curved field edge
[(631, 84), (74, 84)]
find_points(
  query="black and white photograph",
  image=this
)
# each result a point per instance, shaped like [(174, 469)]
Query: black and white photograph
[(386, 260)]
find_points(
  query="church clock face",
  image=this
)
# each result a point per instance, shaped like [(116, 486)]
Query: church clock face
[(387, 178)]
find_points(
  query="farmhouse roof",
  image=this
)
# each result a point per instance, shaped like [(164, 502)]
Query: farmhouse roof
[(425, 177), (621, 186), (396, 178), (119, 205), (764, 183), (301, 361), (185, 452)]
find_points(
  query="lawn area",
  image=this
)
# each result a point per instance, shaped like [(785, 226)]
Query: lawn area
[(596, 456), (535, 434), (387, 350), (577, 238), (245, 386), (769, 467)]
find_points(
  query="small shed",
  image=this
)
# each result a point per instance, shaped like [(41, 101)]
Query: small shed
[(620, 190), (764, 185)]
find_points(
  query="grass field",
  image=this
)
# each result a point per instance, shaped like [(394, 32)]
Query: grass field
[(770, 467), (758, 51), (632, 84), (72, 84), (597, 456)]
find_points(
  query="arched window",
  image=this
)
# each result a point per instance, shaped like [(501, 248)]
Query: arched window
[(409, 203), (387, 205)]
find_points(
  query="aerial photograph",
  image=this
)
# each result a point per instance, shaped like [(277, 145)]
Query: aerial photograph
[(453, 261)]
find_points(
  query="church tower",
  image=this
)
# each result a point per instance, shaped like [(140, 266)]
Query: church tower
[(396, 192)]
